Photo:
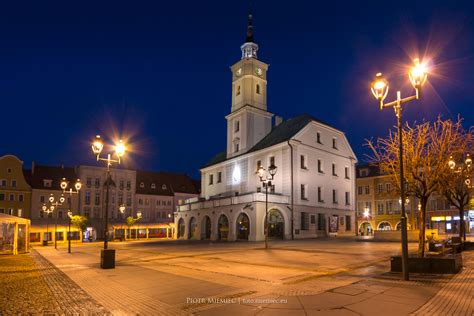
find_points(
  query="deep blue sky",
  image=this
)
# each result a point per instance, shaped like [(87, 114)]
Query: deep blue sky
[(159, 71)]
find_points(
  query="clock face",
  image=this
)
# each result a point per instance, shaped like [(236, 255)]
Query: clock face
[(238, 72), (259, 71)]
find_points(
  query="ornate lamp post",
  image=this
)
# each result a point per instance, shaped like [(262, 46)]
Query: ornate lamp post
[(122, 211), (266, 177), (77, 186), (379, 88), (107, 255), (139, 217), (47, 210), (464, 173), (52, 206)]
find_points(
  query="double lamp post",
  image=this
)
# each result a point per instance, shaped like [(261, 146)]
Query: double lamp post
[(379, 88), (64, 186), (266, 177)]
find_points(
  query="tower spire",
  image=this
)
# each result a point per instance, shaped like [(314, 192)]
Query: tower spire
[(249, 48)]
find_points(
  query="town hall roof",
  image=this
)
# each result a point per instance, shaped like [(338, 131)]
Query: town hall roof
[(279, 134)]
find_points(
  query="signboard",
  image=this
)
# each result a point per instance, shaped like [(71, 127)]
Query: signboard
[(333, 224)]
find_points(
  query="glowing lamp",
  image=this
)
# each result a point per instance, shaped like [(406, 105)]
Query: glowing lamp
[(261, 172), (418, 74), (62, 199), (451, 163), (63, 184), (120, 149), (78, 185), (51, 198), (122, 208), (139, 214), (44, 208), (379, 88), (272, 170), (97, 145), (468, 161), (69, 213)]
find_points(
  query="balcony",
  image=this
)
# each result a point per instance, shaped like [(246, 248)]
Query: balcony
[(233, 200)]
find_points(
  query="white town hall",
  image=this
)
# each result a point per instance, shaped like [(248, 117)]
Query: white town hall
[(313, 190)]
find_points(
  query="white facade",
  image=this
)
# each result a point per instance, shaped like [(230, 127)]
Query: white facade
[(313, 192)]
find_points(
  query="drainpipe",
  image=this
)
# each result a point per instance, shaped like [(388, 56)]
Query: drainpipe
[(292, 203)]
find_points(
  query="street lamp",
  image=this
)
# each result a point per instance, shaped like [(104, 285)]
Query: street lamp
[(139, 216), (53, 205), (107, 255), (379, 87), (463, 171), (122, 211), (266, 177), (77, 186), (47, 210)]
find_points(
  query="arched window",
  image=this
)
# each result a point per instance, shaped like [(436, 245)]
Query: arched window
[(153, 186), (142, 185), (257, 89)]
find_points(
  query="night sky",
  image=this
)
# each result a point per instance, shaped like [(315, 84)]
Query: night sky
[(158, 72)]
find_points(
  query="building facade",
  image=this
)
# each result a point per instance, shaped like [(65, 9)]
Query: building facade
[(15, 192), (312, 193), (45, 181)]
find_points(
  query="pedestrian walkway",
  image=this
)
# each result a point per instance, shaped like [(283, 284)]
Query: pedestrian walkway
[(457, 297), (29, 285)]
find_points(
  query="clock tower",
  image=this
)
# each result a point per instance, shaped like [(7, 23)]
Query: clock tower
[(249, 120)]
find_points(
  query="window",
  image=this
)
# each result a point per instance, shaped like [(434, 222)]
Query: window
[(363, 172), (158, 202), (87, 212), (140, 202), (320, 166), (9, 170), (348, 223), (348, 198), (313, 219), (129, 185), (120, 198), (47, 183), (380, 188), (359, 190), (20, 197), (142, 185), (97, 182), (367, 189), (388, 187), (257, 88), (121, 185), (334, 170), (97, 198), (236, 147), (14, 183), (211, 179), (321, 222), (304, 221), (163, 187), (334, 196), (346, 173), (2, 210), (389, 205), (238, 91), (334, 143), (12, 197), (169, 203), (259, 163), (129, 198), (2, 196), (4, 183), (147, 202), (303, 192), (88, 197), (42, 199), (379, 208), (236, 126), (320, 194), (153, 186), (303, 162), (88, 182), (219, 177), (60, 214), (318, 138)]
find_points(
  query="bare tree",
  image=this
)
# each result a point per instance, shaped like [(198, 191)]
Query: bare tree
[(457, 178), (426, 152)]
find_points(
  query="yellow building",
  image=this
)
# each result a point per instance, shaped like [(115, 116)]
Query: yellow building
[(15, 192), (378, 202)]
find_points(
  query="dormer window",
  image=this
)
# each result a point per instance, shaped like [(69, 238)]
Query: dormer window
[(47, 183), (318, 138), (142, 185), (163, 187), (334, 143), (153, 186)]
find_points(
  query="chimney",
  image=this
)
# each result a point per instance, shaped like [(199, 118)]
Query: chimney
[(32, 167), (278, 120)]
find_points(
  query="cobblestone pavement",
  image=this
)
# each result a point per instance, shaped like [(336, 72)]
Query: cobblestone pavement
[(30, 284)]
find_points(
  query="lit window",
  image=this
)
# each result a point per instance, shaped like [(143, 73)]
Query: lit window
[(163, 187), (153, 186), (142, 185)]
